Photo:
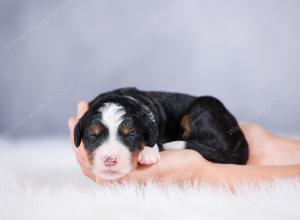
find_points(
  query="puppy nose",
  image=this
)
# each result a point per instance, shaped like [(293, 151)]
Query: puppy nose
[(109, 161)]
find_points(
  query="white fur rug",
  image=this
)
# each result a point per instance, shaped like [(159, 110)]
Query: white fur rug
[(41, 180)]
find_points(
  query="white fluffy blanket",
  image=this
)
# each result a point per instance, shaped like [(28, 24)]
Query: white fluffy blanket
[(41, 180)]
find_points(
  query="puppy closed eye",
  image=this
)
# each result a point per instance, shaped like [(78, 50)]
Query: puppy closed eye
[(95, 130), (125, 130)]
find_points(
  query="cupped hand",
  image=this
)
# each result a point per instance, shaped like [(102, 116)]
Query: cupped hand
[(174, 166), (80, 153)]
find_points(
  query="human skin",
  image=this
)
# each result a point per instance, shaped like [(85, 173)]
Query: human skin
[(269, 157)]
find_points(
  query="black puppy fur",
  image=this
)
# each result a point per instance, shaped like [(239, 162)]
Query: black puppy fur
[(203, 122)]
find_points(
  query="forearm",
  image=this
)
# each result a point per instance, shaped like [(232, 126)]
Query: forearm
[(268, 149), (232, 175)]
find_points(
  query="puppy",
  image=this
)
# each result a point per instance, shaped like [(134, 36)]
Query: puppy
[(125, 127)]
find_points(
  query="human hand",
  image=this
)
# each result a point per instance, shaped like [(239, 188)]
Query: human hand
[(190, 165), (174, 166), (80, 153), (261, 144)]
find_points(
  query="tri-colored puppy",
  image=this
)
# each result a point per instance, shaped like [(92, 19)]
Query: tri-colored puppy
[(127, 126)]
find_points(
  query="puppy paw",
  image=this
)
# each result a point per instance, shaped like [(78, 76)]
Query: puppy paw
[(149, 155)]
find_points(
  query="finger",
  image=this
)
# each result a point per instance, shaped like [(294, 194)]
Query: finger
[(83, 153), (82, 107), (71, 124), (80, 153), (82, 161), (85, 167), (88, 174)]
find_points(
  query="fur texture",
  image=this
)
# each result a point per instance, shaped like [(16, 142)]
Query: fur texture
[(40, 179)]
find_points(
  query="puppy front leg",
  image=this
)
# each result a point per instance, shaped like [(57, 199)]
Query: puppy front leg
[(149, 155)]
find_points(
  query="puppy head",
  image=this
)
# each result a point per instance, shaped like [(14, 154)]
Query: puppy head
[(113, 136)]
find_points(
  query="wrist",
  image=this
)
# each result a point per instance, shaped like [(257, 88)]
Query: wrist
[(202, 169)]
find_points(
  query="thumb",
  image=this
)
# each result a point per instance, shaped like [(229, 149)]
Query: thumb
[(71, 123), (82, 107)]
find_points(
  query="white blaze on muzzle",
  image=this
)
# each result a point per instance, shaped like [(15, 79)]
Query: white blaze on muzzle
[(112, 159)]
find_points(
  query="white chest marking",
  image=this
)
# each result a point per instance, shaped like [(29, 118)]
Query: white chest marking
[(174, 145), (112, 117)]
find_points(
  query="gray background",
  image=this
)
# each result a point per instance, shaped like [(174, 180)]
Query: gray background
[(55, 53)]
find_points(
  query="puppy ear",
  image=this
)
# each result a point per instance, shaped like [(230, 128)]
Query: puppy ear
[(151, 136), (78, 134), (150, 131)]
